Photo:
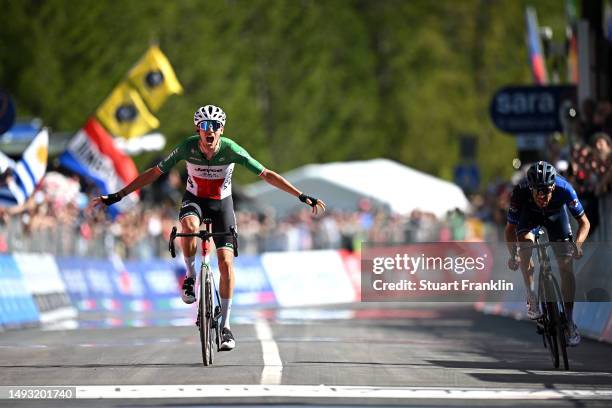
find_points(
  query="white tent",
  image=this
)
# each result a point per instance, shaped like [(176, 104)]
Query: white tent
[(385, 182)]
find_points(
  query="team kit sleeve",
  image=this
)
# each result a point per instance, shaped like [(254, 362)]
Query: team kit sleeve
[(514, 211), (174, 157), (241, 156), (573, 203)]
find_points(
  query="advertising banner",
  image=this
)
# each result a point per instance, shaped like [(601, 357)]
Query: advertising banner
[(42, 278), (17, 306), (308, 278)]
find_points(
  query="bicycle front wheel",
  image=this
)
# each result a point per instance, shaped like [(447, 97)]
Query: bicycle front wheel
[(551, 329), (562, 323), (204, 318), (210, 320)]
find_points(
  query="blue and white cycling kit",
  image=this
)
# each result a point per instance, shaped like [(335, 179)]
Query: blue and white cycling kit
[(526, 214)]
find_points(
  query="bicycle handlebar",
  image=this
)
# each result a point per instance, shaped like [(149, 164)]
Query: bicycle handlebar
[(204, 236)]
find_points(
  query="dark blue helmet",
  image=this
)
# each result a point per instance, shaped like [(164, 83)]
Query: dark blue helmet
[(541, 174)]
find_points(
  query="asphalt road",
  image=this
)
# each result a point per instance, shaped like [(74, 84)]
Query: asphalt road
[(368, 354)]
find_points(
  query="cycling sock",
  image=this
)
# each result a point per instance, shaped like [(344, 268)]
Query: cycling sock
[(190, 264), (226, 307)]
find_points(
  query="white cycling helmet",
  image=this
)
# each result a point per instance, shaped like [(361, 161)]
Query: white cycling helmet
[(209, 112)]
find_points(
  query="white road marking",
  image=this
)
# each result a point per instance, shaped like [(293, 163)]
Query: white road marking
[(323, 391), (272, 372)]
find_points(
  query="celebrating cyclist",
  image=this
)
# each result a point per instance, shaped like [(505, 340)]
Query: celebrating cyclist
[(210, 162), (542, 200)]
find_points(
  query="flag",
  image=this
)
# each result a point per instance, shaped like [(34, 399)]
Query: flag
[(27, 172), (125, 114), (7, 181), (572, 41), (5, 163), (534, 42), (154, 78), (92, 154)]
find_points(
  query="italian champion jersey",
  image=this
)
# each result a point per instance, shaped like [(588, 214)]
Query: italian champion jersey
[(210, 178)]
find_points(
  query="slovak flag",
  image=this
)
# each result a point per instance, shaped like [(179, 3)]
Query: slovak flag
[(92, 154), (27, 172)]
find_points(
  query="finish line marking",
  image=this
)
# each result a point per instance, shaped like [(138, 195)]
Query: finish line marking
[(324, 391), (272, 372)]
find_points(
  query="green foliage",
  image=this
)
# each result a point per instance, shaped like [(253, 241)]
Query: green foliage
[(302, 81)]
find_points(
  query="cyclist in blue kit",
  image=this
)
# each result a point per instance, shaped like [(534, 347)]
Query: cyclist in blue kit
[(542, 200)]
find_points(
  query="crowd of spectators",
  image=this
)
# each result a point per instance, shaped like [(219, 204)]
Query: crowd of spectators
[(57, 218), (583, 156)]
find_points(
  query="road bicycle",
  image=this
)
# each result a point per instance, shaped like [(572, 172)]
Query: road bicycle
[(208, 313), (553, 324)]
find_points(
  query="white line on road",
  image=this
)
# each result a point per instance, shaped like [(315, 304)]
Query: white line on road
[(272, 372), (323, 391)]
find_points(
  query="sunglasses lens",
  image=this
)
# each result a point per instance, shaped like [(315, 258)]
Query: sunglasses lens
[(210, 125)]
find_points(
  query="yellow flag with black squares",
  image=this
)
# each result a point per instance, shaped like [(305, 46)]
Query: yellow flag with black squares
[(125, 114), (154, 78)]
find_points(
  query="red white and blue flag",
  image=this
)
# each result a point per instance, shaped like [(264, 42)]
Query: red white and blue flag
[(92, 153), (534, 42)]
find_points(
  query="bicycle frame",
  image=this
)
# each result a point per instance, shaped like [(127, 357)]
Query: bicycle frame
[(553, 323), (206, 284), (208, 313)]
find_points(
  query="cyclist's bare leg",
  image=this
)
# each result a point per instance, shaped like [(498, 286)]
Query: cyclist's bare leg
[(189, 224), (225, 257), (526, 263), (568, 284)]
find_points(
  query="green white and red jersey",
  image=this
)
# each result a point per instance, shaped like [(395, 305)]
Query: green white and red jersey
[(210, 178)]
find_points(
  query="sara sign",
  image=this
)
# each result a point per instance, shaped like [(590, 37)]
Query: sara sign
[(532, 109)]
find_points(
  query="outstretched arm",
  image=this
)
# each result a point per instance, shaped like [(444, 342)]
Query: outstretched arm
[(281, 183), (145, 178), (583, 231)]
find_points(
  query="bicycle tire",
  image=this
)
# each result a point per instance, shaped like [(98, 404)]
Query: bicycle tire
[(550, 341), (550, 336), (204, 323), (209, 319), (551, 319), (562, 323), (552, 332)]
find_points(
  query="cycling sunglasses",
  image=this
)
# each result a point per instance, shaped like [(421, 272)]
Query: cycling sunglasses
[(543, 190), (207, 125)]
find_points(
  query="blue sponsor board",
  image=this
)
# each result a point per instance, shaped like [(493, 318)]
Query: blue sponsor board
[(157, 282), (154, 284), (592, 317), (532, 109), (17, 306), (252, 286), (91, 283)]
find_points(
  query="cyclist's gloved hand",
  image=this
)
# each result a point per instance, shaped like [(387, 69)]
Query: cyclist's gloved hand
[(111, 198), (315, 203), (305, 199), (578, 252)]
